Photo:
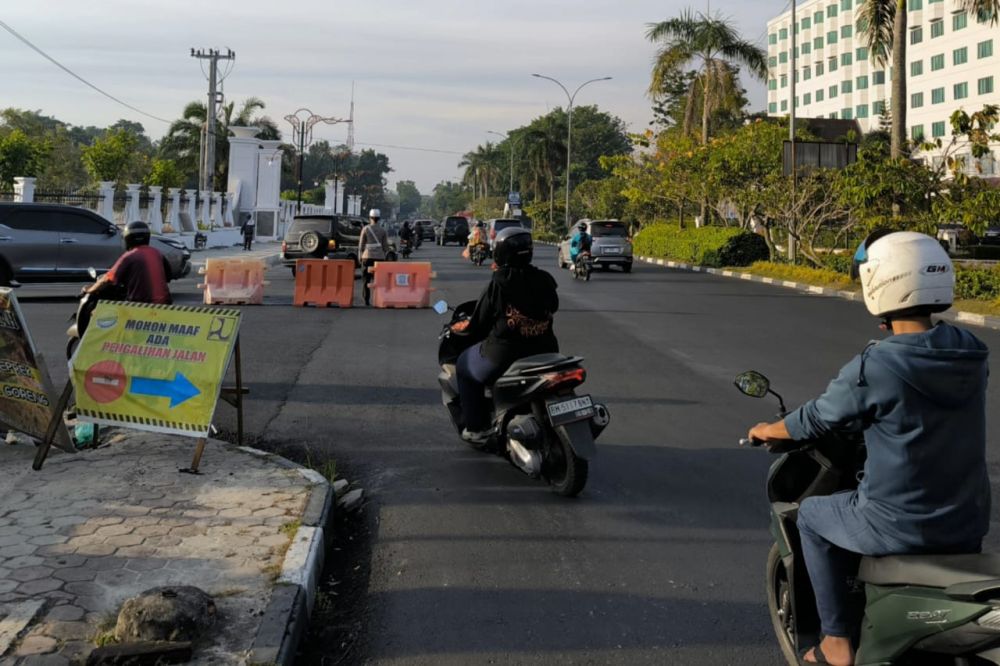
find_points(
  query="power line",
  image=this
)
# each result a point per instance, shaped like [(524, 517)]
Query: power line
[(77, 76), (420, 150)]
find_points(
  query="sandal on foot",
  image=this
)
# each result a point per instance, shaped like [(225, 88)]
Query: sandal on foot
[(817, 654)]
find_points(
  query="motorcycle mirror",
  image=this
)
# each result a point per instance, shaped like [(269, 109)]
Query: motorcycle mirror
[(441, 307), (752, 383), (92, 272)]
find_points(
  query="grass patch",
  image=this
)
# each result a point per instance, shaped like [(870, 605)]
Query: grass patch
[(989, 308), (290, 528), (327, 467), (819, 277), (105, 634)]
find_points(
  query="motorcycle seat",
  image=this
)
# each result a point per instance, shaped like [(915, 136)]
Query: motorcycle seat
[(929, 570), (540, 363)]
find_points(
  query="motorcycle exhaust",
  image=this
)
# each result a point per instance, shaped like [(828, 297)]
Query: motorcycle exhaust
[(523, 432), (600, 420)]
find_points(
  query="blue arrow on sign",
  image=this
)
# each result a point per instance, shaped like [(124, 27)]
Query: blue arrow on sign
[(179, 389)]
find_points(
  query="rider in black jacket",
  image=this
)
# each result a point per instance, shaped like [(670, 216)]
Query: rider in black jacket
[(513, 318)]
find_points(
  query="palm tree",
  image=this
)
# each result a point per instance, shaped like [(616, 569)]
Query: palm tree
[(546, 153), (716, 48), (471, 162)]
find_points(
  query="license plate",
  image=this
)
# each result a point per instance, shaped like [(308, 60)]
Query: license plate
[(574, 409), (612, 250)]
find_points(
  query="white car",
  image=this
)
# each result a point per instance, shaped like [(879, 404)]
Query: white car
[(610, 247)]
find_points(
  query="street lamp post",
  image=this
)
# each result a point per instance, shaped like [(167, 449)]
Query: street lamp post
[(569, 133), (507, 137), (302, 130)]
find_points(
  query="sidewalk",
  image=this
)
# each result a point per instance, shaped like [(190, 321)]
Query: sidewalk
[(93, 529)]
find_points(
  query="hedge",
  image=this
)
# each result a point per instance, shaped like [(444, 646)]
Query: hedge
[(706, 246), (977, 283)]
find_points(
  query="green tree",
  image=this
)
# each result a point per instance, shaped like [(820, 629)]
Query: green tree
[(111, 156), (409, 198), (714, 47), (164, 173), (448, 198), (19, 156)]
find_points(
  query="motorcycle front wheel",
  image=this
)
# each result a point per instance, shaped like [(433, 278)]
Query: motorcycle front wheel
[(565, 472), (779, 606)]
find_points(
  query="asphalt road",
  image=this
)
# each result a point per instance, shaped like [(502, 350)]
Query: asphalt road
[(465, 561)]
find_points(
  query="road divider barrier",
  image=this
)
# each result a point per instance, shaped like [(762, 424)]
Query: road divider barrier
[(402, 284), (324, 282), (233, 281)]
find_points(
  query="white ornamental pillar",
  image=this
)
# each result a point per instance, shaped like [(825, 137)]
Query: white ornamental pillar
[(192, 212), (341, 186), (154, 216), (206, 208), (132, 207), (227, 218), (174, 211), (107, 207), (24, 189), (329, 202), (217, 210)]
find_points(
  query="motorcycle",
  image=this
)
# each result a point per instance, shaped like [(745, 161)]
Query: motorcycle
[(478, 253), (918, 609), (540, 424), (582, 267), (80, 319), (406, 248)]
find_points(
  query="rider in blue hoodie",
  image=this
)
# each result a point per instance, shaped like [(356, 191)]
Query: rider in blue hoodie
[(920, 398)]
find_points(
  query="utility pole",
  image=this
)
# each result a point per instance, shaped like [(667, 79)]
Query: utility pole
[(213, 56), (791, 137)]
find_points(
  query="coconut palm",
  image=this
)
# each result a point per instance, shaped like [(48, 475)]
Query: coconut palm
[(546, 154), (716, 49)]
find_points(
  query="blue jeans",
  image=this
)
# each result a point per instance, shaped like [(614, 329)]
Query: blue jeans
[(475, 371)]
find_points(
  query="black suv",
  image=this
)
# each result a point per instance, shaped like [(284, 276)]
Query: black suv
[(454, 228), (320, 236)]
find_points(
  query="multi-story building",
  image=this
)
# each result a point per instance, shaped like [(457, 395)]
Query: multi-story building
[(953, 61)]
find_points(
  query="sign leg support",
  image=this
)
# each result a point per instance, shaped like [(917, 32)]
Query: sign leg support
[(54, 424), (239, 395), (199, 450)]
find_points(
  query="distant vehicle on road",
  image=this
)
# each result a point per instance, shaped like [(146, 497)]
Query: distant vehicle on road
[(426, 229), (321, 236), (991, 236), (454, 229), (495, 226), (58, 243), (611, 245)]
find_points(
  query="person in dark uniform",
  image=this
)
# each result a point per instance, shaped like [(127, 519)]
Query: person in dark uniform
[(248, 229)]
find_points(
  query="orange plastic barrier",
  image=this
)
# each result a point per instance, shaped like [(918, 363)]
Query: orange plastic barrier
[(233, 281), (324, 282), (402, 284)]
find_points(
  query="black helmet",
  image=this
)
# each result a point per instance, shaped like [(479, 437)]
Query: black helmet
[(513, 247), (136, 234), (582, 226)]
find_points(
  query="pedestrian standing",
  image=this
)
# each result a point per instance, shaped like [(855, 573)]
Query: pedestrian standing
[(248, 229)]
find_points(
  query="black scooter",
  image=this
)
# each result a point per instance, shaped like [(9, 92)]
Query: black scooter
[(478, 253), (539, 422), (918, 609)]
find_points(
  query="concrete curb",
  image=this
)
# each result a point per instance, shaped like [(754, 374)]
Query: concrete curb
[(293, 597), (959, 316)]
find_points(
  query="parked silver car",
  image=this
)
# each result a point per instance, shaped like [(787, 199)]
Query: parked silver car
[(55, 243), (611, 245)]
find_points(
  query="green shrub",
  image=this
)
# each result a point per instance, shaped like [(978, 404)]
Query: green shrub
[(820, 277), (696, 246), (743, 250), (546, 236), (977, 283), (840, 263)]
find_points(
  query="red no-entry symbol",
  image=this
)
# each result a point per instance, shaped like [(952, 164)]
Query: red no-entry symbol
[(105, 381)]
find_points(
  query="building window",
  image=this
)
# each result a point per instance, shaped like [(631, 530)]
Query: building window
[(937, 28), (937, 96), (817, 43), (796, 101), (937, 62), (784, 105), (916, 35), (807, 99), (831, 64), (806, 48), (783, 33), (833, 116), (772, 84), (960, 56), (960, 90), (937, 129), (831, 11), (846, 31), (959, 20), (806, 23), (861, 53), (847, 114), (862, 82), (915, 5), (817, 17), (772, 39), (916, 68), (783, 57), (878, 77), (772, 107), (784, 80), (819, 95), (806, 73), (832, 91), (831, 37), (985, 85), (845, 59), (985, 49), (846, 87), (861, 111), (917, 132), (916, 100), (772, 61), (819, 69), (845, 5), (878, 107)]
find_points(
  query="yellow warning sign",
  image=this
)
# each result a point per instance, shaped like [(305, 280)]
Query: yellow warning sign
[(153, 367)]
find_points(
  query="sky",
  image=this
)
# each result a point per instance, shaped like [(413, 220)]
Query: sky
[(432, 74)]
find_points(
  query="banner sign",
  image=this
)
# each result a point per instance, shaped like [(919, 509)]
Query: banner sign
[(153, 367), (26, 400)]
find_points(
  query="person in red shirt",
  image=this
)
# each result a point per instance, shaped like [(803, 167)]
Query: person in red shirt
[(139, 274)]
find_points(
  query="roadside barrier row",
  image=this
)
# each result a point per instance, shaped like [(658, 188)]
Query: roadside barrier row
[(233, 281)]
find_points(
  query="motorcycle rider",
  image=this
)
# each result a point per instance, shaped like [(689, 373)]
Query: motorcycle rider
[(139, 274), (580, 243), (477, 236), (373, 245), (418, 234), (513, 319), (919, 397)]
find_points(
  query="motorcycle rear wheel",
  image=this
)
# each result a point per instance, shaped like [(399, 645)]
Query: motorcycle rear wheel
[(779, 606), (566, 473)]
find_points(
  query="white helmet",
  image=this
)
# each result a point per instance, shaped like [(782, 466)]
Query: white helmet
[(903, 271), (375, 213)]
